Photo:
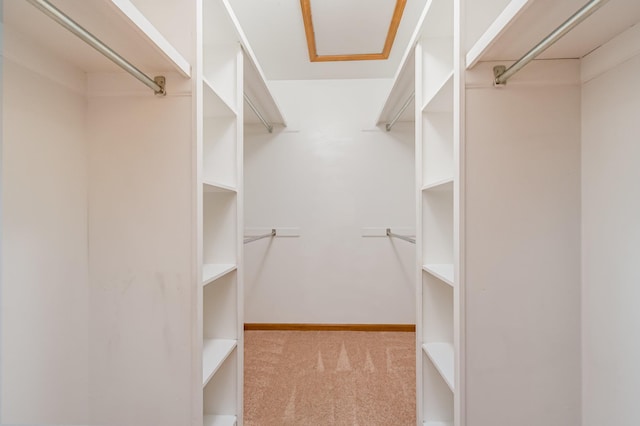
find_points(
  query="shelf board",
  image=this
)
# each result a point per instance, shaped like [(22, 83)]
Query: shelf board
[(118, 23), (214, 353), (214, 104), (402, 88), (442, 99), (254, 80), (219, 420), (439, 185), (437, 424), (213, 271), (524, 23), (495, 30), (441, 355), (443, 272), (430, 24), (256, 89), (217, 187)]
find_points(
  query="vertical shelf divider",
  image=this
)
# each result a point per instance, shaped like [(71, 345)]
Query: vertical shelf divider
[(438, 108), (219, 130)]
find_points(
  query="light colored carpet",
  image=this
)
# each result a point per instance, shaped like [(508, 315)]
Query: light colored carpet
[(329, 378)]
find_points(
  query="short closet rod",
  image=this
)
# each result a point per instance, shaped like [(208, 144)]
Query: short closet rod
[(268, 125), (259, 237), (502, 74), (402, 237), (157, 84), (397, 116)]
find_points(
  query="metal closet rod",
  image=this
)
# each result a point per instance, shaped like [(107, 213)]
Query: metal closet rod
[(266, 124), (252, 238), (157, 83), (402, 237), (502, 73), (399, 113)]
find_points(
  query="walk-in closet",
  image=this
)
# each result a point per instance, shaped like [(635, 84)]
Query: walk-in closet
[(319, 212)]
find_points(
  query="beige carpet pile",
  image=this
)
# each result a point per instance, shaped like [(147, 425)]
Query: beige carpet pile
[(329, 378)]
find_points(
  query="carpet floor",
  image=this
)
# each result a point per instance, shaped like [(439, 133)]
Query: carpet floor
[(317, 378)]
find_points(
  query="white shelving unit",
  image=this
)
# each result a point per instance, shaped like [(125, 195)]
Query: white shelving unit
[(431, 70), (220, 139), (227, 71), (437, 191)]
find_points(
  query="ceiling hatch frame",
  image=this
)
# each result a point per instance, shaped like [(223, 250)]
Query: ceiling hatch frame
[(388, 44)]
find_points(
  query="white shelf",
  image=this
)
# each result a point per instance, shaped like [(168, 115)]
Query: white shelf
[(255, 87), (442, 99), (402, 88), (254, 81), (118, 23), (441, 355), (495, 29), (213, 271), (219, 421), (214, 352), (439, 185), (443, 272), (430, 24), (437, 424), (524, 23), (214, 104), (217, 187)]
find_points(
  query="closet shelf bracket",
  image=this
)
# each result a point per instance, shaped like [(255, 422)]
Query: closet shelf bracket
[(401, 237), (266, 124), (250, 239), (396, 117), (157, 83), (502, 73)]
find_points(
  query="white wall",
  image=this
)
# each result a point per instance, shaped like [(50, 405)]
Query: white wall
[(522, 247), (140, 254), (97, 267), (611, 235), (330, 173), (44, 266)]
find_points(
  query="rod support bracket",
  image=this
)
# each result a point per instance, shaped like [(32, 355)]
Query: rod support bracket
[(162, 82), (498, 70)]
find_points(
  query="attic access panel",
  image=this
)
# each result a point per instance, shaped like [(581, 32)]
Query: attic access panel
[(351, 30)]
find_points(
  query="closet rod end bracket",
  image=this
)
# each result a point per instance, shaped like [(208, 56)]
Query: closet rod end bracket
[(498, 70), (161, 81)]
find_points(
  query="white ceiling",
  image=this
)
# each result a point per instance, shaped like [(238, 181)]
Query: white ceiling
[(276, 33)]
